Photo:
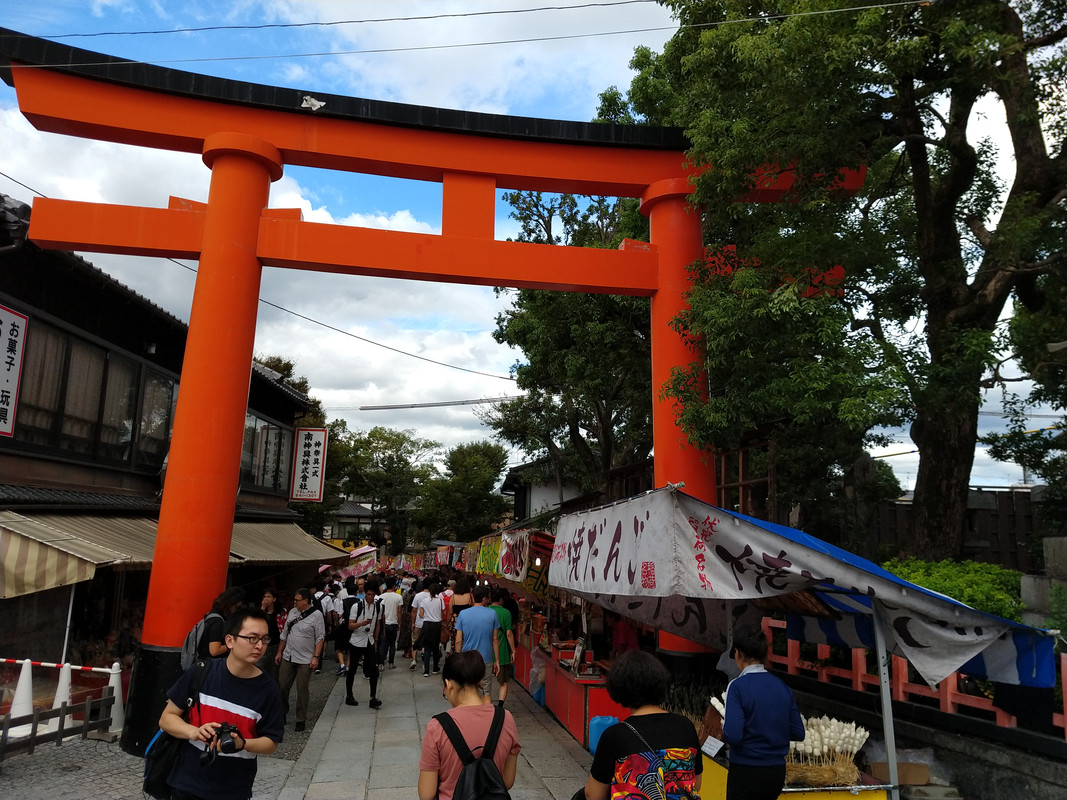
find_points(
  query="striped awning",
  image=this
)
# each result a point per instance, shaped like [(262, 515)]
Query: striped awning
[(47, 551)]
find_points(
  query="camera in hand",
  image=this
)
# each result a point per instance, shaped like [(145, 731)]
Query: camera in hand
[(227, 744)]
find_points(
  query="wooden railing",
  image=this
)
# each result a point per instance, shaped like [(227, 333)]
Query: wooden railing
[(26, 732), (947, 693)]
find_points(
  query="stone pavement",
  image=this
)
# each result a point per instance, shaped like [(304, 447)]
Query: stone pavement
[(355, 753)]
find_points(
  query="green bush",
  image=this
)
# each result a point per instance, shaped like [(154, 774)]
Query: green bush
[(986, 587)]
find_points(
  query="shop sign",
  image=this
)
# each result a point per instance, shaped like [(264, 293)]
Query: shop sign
[(536, 581), (309, 465), (13, 330), (514, 555)]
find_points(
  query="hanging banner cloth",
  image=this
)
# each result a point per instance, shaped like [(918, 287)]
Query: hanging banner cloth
[(514, 555), (671, 561), (489, 556)]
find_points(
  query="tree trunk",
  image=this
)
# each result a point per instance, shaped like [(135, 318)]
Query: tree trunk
[(945, 434)]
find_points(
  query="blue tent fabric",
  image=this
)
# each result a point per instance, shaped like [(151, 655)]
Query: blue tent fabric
[(675, 562)]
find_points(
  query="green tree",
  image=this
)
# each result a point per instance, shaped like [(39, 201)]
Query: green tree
[(1040, 449), (586, 369), (463, 503), (933, 245), (387, 472)]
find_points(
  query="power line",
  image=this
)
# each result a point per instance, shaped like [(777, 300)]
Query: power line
[(334, 23), (495, 43), (440, 404), (315, 321)]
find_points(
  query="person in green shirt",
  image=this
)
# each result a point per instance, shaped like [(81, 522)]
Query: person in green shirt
[(506, 637)]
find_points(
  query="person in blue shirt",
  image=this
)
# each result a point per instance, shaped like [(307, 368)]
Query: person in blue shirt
[(761, 720), (476, 629)]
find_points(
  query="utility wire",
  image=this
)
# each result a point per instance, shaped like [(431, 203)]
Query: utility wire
[(313, 320), (334, 23), (413, 48)]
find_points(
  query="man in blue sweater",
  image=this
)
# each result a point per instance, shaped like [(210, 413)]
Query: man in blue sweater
[(761, 720)]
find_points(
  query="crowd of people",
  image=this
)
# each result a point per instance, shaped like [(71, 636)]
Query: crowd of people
[(250, 658)]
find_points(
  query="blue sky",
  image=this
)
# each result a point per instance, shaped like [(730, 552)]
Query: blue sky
[(549, 63)]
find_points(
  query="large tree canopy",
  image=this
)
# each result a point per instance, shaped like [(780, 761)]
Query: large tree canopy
[(932, 247), (463, 503)]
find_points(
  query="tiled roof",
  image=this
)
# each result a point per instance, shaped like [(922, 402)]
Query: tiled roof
[(35, 496)]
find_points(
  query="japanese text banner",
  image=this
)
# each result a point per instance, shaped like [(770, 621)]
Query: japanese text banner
[(515, 555)]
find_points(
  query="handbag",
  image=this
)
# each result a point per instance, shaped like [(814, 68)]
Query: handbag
[(656, 762), (162, 751)]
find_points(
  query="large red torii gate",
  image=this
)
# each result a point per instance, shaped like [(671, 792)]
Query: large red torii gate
[(246, 134)]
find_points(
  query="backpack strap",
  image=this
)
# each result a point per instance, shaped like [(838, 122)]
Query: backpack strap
[(452, 731), (494, 733), (202, 667)]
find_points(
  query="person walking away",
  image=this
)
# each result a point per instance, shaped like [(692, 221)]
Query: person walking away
[(364, 625), (416, 625), (439, 764), (476, 629), (462, 599), (651, 744), (761, 719), (235, 691), (345, 598), (505, 641), (407, 622), (300, 653), (431, 609), (276, 616), (212, 642), (391, 603)]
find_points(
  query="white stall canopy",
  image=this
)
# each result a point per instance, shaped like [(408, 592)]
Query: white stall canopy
[(671, 561)]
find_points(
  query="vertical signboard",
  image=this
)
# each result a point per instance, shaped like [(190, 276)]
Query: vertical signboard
[(13, 333), (309, 465)]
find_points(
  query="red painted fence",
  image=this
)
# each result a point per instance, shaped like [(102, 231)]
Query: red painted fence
[(947, 694)]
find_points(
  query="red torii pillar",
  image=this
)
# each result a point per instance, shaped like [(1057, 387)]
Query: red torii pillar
[(675, 230)]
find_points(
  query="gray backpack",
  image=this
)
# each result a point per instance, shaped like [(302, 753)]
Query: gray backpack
[(192, 640)]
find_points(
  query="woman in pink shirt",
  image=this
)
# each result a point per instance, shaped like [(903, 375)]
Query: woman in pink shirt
[(439, 765)]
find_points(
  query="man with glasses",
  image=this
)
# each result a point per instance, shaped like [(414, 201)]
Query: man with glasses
[(303, 639), (234, 691)]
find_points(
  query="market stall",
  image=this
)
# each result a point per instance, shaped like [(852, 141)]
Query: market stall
[(668, 560)]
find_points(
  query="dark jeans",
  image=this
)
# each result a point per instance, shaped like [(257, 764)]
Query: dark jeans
[(744, 782), (431, 645), (387, 646), (369, 657)]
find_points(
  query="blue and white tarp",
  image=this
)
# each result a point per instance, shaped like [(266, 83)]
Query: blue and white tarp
[(679, 564)]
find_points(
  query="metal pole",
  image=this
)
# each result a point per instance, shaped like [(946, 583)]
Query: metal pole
[(66, 631), (887, 702)]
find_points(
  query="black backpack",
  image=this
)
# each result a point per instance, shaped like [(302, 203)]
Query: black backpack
[(162, 751), (479, 779)]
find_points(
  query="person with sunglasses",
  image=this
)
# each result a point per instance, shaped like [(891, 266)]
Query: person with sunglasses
[(233, 692), (300, 653)]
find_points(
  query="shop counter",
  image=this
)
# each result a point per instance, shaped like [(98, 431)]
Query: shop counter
[(713, 787), (576, 699)]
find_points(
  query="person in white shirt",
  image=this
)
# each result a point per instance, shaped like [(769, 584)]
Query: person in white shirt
[(341, 632), (416, 636), (391, 602), (364, 623), (432, 610)]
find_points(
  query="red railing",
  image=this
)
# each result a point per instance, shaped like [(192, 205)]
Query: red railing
[(947, 694)]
